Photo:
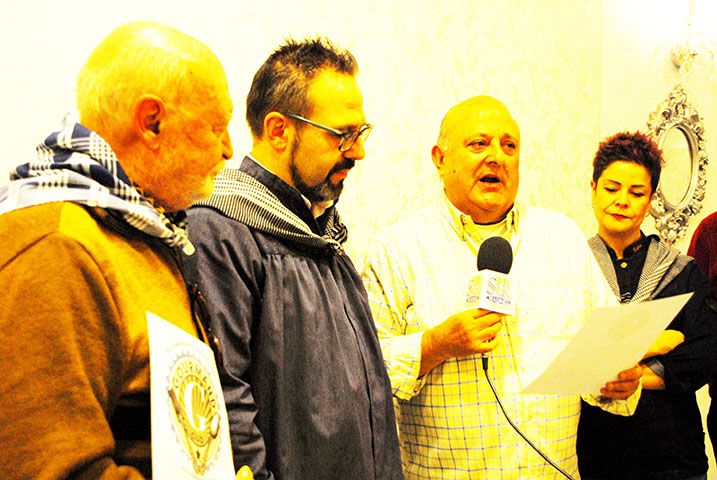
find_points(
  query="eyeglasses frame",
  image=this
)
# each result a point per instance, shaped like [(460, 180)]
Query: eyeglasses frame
[(346, 137)]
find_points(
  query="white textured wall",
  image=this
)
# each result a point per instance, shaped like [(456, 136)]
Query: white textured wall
[(571, 72)]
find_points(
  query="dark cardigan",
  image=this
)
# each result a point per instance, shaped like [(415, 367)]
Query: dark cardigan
[(664, 438)]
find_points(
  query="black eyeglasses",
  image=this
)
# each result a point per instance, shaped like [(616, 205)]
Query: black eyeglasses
[(347, 138), (200, 317)]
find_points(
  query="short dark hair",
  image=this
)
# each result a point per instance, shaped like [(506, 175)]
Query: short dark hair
[(635, 147), (282, 82)]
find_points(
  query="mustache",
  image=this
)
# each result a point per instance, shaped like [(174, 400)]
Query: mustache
[(345, 164)]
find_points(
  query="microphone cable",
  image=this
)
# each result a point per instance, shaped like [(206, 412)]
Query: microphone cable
[(484, 360)]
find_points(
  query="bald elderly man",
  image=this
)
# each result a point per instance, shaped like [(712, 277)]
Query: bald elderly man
[(91, 231), (417, 275)]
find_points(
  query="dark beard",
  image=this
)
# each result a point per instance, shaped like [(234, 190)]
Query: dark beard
[(323, 191)]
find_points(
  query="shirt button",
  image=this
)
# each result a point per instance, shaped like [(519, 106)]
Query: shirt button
[(623, 265)]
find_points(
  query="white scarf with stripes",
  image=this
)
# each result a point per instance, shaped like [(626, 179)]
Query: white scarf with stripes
[(662, 264), (243, 198)]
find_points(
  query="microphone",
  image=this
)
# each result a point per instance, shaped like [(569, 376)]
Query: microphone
[(490, 288)]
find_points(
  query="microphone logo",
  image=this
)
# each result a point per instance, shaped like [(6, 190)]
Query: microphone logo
[(492, 291), (490, 288)]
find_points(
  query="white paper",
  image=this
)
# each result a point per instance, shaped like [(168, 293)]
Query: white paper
[(190, 427), (614, 339)]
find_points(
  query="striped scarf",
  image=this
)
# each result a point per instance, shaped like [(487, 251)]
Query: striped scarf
[(662, 264), (76, 165), (243, 198)]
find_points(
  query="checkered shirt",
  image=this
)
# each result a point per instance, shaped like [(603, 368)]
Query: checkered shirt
[(450, 425)]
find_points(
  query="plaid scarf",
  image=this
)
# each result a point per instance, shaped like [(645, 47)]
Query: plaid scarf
[(662, 264), (243, 198), (76, 165)]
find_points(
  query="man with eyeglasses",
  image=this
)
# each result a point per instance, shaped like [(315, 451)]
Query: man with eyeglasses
[(303, 377)]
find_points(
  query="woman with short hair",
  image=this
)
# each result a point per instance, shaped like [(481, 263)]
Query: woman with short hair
[(664, 438)]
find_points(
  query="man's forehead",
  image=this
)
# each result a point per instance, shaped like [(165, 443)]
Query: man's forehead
[(481, 115), (333, 94), (488, 123), (210, 90)]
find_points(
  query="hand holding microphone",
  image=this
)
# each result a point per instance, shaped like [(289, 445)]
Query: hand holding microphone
[(490, 291), (464, 333), (468, 332), (474, 331)]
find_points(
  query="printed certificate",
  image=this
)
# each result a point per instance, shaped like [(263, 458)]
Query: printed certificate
[(190, 428)]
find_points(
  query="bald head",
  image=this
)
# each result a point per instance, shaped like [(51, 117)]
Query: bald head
[(136, 59), (160, 98), (462, 113)]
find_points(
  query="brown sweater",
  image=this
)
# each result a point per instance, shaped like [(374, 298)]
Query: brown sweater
[(75, 289)]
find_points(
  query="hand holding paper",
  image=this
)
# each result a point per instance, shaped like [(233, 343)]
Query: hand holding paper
[(625, 385), (614, 339)]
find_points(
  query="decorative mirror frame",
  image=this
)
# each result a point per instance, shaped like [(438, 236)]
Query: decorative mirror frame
[(676, 112)]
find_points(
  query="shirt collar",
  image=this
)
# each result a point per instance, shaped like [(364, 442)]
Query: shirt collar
[(639, 246), (474, 233)]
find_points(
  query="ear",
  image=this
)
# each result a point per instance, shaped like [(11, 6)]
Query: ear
[(437, 157), (276, 131), (148, 116)]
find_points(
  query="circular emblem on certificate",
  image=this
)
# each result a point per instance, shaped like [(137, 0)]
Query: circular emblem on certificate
[(195, 411)]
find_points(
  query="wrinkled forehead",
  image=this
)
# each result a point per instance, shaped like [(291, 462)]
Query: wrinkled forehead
[(491, 122), (480, 115), (206, 82)]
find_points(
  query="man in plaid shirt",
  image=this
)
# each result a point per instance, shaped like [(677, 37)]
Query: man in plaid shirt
[(417, 273)]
